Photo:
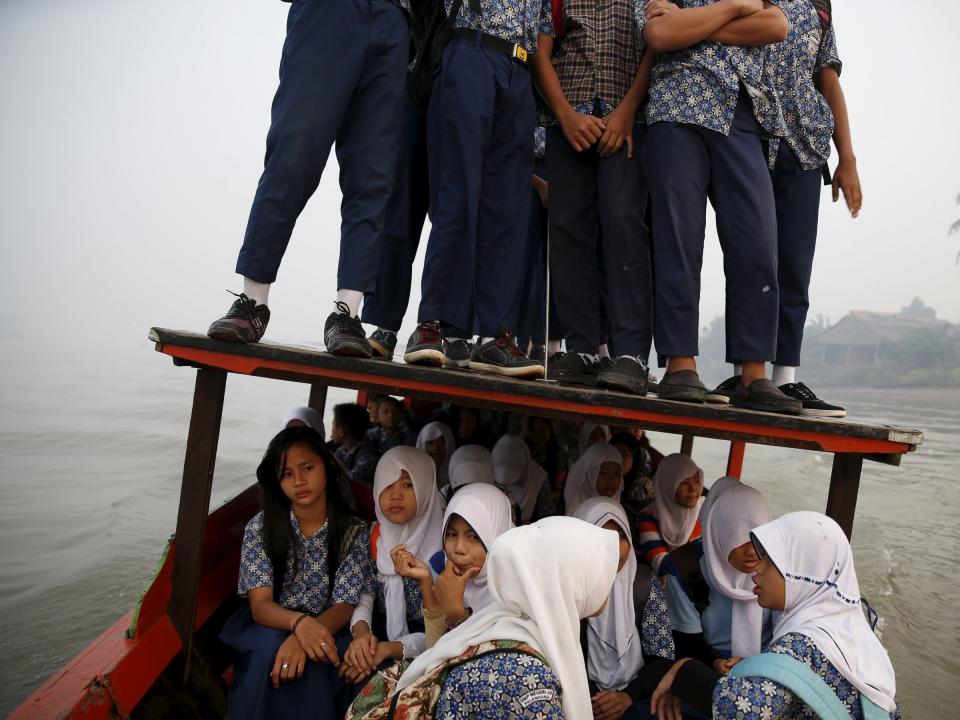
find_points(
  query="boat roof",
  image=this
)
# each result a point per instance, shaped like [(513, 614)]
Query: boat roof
[(311, 364)]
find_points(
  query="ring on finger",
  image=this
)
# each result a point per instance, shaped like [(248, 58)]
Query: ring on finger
[(285, 666)]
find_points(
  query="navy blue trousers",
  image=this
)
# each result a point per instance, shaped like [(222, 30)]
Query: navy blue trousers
[(686, 165), (797, 195), (320, 694), (406, 212), (342, 78), (480, 138), (599, 247)]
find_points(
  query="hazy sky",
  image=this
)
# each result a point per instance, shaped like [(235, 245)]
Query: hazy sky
[(133, 137)]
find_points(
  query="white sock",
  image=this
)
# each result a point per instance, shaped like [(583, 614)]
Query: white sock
[(350, 298), (738, 370), (485, 340), (784, 375), (256, 291), (602, 351), (553, 347)]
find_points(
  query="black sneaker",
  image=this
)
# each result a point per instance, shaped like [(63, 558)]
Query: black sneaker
[(724, 391), (245, 322), (574, 368), (537, 352), (344, 336), (764, 395), (456, 353), (383, 343), (628, 374), (682, 385), (812, 405), (502, 356), (425, 346)]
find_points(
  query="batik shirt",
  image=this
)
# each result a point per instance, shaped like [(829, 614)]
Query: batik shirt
[(657, 640), (307, 590), (516, 21), (700, 85), (742, 698), (792, 67), (501, 685)]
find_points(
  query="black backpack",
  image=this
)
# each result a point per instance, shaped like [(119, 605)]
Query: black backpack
[(430, 28)]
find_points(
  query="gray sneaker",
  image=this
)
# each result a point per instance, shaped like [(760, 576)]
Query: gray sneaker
[(344, 336), (456, 353), (502, 356), (383, 342), (763, 395)]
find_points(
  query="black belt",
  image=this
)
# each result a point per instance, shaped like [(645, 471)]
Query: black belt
[(514, 51)]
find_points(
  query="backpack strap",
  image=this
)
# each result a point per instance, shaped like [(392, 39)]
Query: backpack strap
[(799, 679)]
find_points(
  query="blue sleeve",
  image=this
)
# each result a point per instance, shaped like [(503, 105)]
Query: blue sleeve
[(828, 55), (256, 570)]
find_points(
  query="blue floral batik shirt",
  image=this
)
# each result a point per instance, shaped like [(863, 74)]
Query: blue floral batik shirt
[(700, 85), (792, 68), (308, 589), (516, 21), (506, 686), (743, 698)]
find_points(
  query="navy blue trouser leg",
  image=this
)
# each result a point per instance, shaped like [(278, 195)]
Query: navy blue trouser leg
[(685, 165), (406, 212), (341, 80), (797, 195), (600, 248), (480, 128)]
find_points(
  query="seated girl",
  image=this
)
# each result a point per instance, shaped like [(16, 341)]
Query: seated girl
[(436, 440), (638, 489), (301, 570), (546, 449), (354, 452), (522, 479), (599, 471), (454, 584), (628, 647), (409, 513), (805, 572), (590, 434), (468, 464), (512, 658)]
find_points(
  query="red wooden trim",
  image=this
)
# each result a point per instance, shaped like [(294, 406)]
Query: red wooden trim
[(824, 441), (735, 458)]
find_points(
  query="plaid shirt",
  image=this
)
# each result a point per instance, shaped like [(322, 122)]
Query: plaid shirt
[(598, 55), (516, 21), (699, 85)]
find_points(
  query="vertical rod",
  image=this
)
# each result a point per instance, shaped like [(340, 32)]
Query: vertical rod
[(844, 485), (686, 445), (198, 466), (546, 312), (735, 458), (318, 397)]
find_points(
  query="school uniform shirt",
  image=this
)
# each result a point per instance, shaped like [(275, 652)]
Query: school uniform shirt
[(360, 461), (308, 589), (792, 67), (516, 21), (717, 620), (381, 442), (700, 85), (736, 698)]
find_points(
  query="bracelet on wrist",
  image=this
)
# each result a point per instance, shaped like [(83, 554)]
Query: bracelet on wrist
[(451, 624), (293, 628)]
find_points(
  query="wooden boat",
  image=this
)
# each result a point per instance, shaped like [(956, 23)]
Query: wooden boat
[(163, 660)]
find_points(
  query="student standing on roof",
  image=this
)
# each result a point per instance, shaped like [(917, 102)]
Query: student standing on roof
[(479, 125), (341, 81), (708, 113), (594, 78), (805, 73)]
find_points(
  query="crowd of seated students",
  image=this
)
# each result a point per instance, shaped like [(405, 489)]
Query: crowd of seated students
[(488, 587)]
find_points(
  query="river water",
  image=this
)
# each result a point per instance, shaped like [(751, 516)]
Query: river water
[(91, 451)]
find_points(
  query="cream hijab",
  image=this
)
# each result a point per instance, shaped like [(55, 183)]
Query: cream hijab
[(726, 524), (487, 510), (716, 490), (614, 647), (582, 477), (470, 464), (587, 430), (309, 417), (517, 474), (435, 431), (676, 523), (422, 535), (823, 600), (544, 578)]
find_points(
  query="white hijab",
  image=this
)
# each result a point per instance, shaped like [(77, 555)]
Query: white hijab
[(727, 523), (309, 417), (823, 600), (544, 578), (582, 477), (487, 510), (716, 490), (471, 464), (435, 431), (587, 430), (614, 647), (676, 523), (517, 474), (423, 535)]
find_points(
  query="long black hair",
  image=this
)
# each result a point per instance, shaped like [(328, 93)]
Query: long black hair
[(279, 538)]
